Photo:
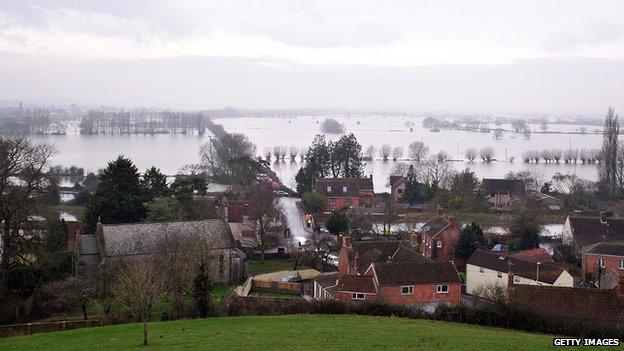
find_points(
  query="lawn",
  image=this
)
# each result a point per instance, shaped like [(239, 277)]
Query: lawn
[(292, 332)]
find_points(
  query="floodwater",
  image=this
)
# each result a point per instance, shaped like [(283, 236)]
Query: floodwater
[(172, 152)]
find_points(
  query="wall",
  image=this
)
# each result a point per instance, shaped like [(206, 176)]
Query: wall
[(347, 297), (590, 264), (422, 294)]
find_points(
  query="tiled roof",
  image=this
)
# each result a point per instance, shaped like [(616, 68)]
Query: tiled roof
[(355, 283), (513, 186), (435, 225), (568, 302), (379, 251), (587, 231), (395, 179), (327, 279), (412, 273), (532, 255), (145, 238), (548, 272), (353, 186), (613, 249)]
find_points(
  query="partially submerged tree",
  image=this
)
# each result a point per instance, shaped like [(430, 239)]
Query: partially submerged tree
[(487, 154), (418, 151), (385, 151), (397, 153), (471, 154)]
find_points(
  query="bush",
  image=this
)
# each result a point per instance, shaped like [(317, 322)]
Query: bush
[(313, 202)]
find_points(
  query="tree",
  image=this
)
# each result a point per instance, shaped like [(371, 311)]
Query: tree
[(164, 209), (138, 286), (369, 153), (23, 185), (72, 291), (487, 154), (118, 197), (544, 126), (397, 153), (415, 192), (346, 157), (318, 164), (337, 222), (470, 239), (323, 245), (418, 151), (389, 213), (471, 154), (90, 182), (524, 231), (264, 214), (608, 167), (57, 234), (385, 151), (313, 202), (466, 193), (202, 291), (332, 126), (437, 171), (154, 183)]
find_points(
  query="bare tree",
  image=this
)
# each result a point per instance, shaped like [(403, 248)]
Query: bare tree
[(385, 151), (293, 151), (323, 246), (471, 154), (139, 285), (267, 154), (610, 133), (437, 170), (487, 154), (619, 167), (526, 132), (264, 216), (498, 133), (418, 150), (397, 153), (370, 152)]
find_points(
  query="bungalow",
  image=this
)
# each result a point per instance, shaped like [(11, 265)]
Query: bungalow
[(346, 192), (583, 231), (436, 239), (603, 258), (502, 193), (487, 270)]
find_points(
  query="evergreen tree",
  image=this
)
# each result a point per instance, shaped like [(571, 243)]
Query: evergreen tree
[(415, 192), (154, 183), (337, 222), (202, 291), (346, 157), (470, 239), (57, 234), (524, 232), (118, 197)]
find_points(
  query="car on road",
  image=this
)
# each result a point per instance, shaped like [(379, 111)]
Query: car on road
[(280, 193)]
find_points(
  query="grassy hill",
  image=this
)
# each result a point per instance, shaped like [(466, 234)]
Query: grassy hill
[(292, 332)]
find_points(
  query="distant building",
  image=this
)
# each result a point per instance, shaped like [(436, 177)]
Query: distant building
[(583, 231), (346, 192), (486, 270), (397, 188), (503, 193), (213, 237), (604, 258), (436, 239)]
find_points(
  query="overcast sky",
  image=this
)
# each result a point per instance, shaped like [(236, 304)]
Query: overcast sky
[(561, 56)]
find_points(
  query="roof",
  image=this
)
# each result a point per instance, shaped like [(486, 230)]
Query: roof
[(411, 273), (587, 231), (513, 186), (326, 280), (357, 283), (548, 271), (435, 225), (395, 179), (532, 255), (568, 302), (379, 251), (147, 238), (353, 186), (613, 249)]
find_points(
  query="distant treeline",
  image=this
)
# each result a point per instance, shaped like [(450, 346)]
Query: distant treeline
[(29, 122)]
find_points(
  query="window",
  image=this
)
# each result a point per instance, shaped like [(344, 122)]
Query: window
[(499, 274), (439, 244), (332, 202), (481, 270), (400, 191), (329, 189), (621, 264), (357, 296), (602, 263), (442, 289), (407, 290), (516, 280), (344, 189)]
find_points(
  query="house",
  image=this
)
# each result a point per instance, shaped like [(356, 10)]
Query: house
[(603, 258), (325, 286), (535, 255), (393, 272), (486, 270), (346, 192), (502, 193), (583, 231), (213, 237), (572, 304), (397, 187), (436, 239)]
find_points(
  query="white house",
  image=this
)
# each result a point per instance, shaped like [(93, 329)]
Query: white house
[(486, 270)]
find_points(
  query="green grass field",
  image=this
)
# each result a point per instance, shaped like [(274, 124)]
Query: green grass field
[(292, 332)]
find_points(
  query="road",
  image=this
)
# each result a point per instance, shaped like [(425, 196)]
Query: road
[(294, 218)]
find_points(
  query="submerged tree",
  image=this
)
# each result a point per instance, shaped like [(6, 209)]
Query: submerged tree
[(418, 151)]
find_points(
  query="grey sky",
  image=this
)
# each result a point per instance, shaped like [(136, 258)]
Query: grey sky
[(560, 56)]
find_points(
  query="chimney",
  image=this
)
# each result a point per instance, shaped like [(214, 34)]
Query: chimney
[(510, 279), (451, 220), (603, 217), (346, 241), (356, 262), (439, 210)]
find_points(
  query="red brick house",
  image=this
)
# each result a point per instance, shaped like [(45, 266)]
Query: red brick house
[(584, 231), (397, 187), (392, 272), (606, 258), (503, 193), (436, 239), (346, 192)]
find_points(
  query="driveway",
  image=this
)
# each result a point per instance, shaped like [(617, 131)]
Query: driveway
[(294, 218)]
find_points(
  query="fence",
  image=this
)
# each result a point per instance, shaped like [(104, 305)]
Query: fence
[(292, 288), (44, 327)]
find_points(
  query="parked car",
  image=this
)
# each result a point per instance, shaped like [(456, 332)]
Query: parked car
[(291, 278)]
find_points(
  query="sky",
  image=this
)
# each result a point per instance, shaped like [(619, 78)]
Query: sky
[(563, 56)]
